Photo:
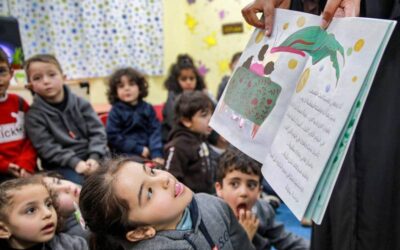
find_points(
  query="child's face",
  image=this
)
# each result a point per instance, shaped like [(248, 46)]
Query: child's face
[(47, 81), (67, 194), (5, 77), (199, 122), (239, 190), (128, 90), (156, 198), (31, 219), (187, 79)]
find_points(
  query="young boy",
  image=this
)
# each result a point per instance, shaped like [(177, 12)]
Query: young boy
[(17, 155), (187, 152), (63, 127), (238, 183)]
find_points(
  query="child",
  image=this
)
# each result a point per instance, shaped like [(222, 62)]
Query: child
[(183, 76), (238, 183), (63, 127), (28, 219), (145, 208), (187, 154), (66, 199), (221, 87), (17, 155), (132, 126)]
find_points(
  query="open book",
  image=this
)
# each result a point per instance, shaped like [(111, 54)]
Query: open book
[(295, 98)]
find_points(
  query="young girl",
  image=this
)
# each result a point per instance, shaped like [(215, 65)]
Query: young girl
[(28, 219), (66, 200), (131, 205), (132, 126), (183, 76)]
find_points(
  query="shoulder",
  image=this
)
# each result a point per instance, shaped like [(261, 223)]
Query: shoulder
[(64, 241), (211, 204)]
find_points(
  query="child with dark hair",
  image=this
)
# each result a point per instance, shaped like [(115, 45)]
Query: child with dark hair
[(64, 128), (187, 153), (239, 184), (17, 155), (132, 126), (146, 208), (28, 218), (183, 76)]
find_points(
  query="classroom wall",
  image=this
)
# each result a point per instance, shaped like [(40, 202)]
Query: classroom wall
[(186, 29), (193, 27)]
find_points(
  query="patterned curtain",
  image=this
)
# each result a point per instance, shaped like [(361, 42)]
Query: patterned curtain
[(91, 38)]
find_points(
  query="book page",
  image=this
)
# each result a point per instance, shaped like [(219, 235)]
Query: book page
[(258, 94), (320, 106)]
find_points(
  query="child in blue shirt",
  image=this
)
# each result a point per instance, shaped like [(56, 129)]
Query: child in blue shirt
[(132, 125)]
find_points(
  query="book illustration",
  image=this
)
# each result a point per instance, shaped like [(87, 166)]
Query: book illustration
[(251, 97), (317, 43)]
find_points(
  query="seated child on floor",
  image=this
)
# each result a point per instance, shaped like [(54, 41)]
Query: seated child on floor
[(28, 219), (183, 76), (187, 153), (17, 155), (132, 125), (63, 127), (145, 208), (66, 199), (239, 184)]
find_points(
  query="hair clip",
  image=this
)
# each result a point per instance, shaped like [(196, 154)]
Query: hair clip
[(79, 218)]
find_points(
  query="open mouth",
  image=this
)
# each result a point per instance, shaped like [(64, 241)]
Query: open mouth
[(241, 206), (49, 228)]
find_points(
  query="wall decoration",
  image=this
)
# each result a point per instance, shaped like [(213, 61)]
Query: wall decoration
[(92, 38)]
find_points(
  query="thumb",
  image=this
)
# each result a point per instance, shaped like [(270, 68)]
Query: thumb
[(329, 10)]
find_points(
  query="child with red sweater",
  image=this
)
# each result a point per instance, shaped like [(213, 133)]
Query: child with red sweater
[(17, 155)]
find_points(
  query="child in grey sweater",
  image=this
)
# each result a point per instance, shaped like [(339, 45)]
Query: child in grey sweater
[(28, 219), (63, 127), (127, 204)]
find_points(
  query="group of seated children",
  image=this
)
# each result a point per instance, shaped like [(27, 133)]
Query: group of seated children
[(124, 203)]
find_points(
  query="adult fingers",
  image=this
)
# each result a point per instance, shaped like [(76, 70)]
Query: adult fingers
[(269, 15), (250, 13), (329, 10)]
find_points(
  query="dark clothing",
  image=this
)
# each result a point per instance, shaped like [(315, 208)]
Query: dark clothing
[(364, 209), (222, 86), (131, 128), (214, 226), (272, 233), (62, 139), (168, 116), (188, 159)]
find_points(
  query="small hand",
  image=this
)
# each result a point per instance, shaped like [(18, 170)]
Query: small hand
[(82, 168), (93, 165), (24, 173), (249, 222), (146, 152), (159, 160), (14, 169)]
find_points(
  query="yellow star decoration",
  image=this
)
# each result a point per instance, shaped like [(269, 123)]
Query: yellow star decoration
[(210, 40), (191, 22), (223, 66)]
